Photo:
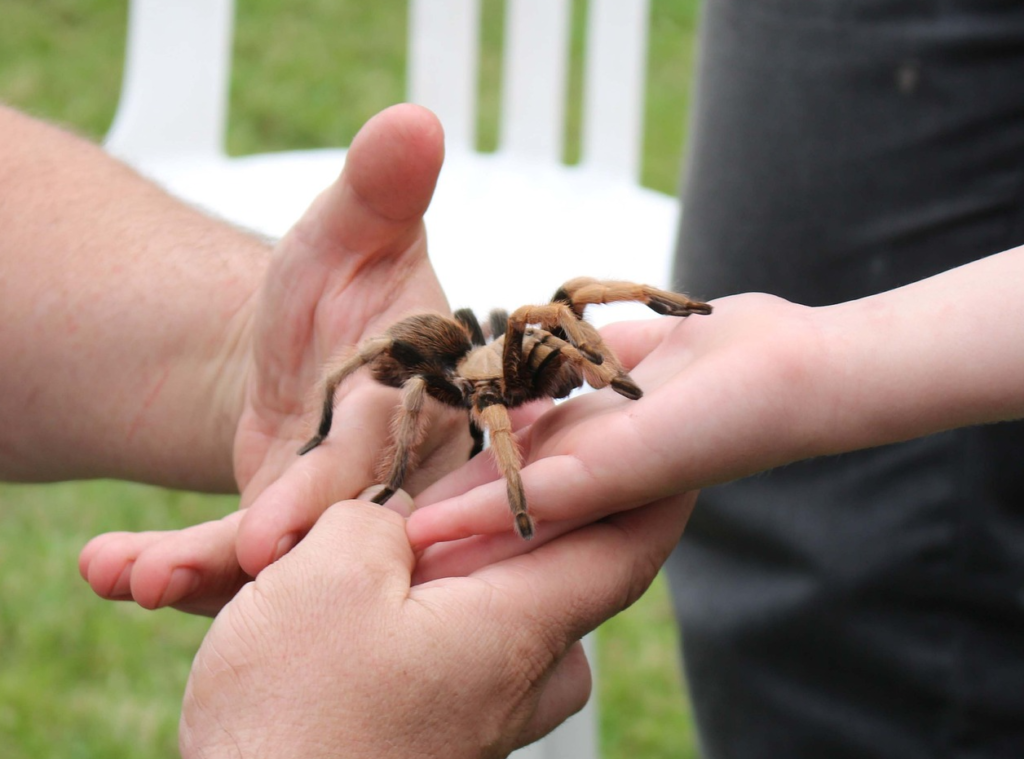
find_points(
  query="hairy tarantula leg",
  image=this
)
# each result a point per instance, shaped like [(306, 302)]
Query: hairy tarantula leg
[(514, 369), (559, 316), (515, 364), (407, 433), (608, 373), (383, 495), (625, 386), (366, 353), (477, 435), (581, 292), (471, 324), (495, 419), (614, 373), (498, 319)]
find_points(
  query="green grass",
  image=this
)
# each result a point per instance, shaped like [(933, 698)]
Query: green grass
[(644, 710), (84, 678), (81, 677)]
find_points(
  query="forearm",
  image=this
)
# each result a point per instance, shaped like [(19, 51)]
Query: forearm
[(124, 318), (941, 353)]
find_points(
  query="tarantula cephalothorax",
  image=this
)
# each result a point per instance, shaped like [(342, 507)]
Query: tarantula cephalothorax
[(538, 352)]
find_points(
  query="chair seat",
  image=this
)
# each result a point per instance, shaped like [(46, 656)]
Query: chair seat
[(502, 232)]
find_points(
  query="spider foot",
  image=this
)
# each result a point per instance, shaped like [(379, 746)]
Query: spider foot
[(670, 304), (311, 444), (624, 385), (383, 496), (524, 526), (498, 322), (590, 354)]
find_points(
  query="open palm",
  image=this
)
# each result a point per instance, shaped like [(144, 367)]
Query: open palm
[(353, 264)]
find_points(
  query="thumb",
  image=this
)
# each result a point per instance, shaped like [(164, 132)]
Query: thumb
[(373, 213), (389, 178), (317, 612), (354, 546)]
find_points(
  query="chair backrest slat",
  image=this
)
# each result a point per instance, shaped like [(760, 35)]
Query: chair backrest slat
[(443, 64), (175, 92), (613, 90), (536, 63)]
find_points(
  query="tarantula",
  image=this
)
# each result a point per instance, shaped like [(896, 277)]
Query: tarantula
[(542, 351)]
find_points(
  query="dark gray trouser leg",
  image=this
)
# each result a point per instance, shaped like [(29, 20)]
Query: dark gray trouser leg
[(871, 604)]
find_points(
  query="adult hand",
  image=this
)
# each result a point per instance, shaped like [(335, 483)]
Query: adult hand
[(332, 650), (356, 262)]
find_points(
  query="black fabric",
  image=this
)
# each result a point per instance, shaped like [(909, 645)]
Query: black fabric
[(870, 604)]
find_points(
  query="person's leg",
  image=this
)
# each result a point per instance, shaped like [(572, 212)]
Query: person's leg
[(867, 605)]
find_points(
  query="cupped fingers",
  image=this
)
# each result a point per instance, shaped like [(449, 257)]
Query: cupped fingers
[(194, 569), (283, 513), (107, 560)]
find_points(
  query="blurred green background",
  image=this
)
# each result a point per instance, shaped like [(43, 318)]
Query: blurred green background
[(80, 677)]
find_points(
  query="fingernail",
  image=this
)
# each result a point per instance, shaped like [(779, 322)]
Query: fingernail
[(123, 585), (183, 582), (284, 545)]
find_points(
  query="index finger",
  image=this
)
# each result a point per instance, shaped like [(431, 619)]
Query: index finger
[(585, 467)]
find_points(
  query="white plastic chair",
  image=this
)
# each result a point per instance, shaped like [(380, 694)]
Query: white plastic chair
[(519, 204)]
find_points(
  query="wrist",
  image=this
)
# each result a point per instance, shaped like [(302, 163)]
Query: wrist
[(892, 373), (228, 369), (805, 384), (126, 312)]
